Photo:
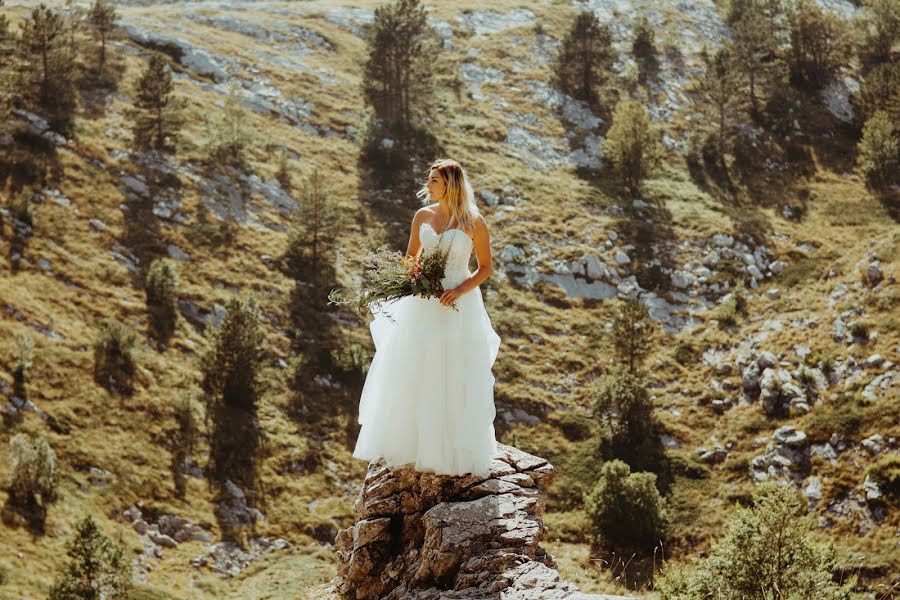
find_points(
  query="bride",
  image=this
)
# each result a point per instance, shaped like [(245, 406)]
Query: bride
[(428, 398)]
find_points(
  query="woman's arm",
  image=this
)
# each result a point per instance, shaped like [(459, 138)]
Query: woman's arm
[(414, 246), (482, 242)]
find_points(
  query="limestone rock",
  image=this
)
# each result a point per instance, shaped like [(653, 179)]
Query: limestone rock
[(421, 535)]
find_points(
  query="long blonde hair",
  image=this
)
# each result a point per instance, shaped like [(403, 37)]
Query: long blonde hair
[(459, 194)]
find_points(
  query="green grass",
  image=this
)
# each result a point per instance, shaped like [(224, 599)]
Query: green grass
[(562, 213)]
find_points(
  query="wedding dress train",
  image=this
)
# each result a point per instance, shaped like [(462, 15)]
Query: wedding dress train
[(428, 398)]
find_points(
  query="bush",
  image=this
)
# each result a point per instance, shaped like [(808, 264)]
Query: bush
[(161, 287), (20, 207), (626, 509), (886, 473), (685, 353), (114, 357), (730, 307), (97, 567), (688, 467), (843, 419), (32, 471), (767, 553), (575, 427), (879, 151)]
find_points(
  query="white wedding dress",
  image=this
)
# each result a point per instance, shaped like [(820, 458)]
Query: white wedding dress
[(428, 399)]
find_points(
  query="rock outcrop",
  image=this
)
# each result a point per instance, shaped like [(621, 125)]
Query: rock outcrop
[(423, 536)]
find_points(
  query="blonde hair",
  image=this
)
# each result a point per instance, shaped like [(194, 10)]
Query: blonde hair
[(459, 195)]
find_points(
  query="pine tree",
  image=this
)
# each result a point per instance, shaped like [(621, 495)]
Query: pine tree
[(98, 568), (231, 379), (232, 365), (283, 175), (584, 58), (48, 62), (880, 90), (754, 52), (102, 18), (819, 44), (157, 111), (228, 133), (880, 24), (631, 332), (161, 287), (632, 144), (6, 74), (721, 95), (397, 80), (312, 225)]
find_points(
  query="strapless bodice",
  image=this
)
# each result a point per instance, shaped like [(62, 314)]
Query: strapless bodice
[(460, 250)]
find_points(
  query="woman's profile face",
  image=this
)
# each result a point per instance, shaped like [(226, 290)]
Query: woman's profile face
[(436, 185)]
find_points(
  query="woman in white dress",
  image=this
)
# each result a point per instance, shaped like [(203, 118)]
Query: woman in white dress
[(428, 398)]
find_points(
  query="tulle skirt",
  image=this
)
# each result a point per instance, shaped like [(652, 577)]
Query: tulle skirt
[(428, 398)]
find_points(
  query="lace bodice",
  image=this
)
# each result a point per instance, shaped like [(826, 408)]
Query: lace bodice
[(460, 246)]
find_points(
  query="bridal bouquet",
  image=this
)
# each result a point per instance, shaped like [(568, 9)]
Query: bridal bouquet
[(389, 276)]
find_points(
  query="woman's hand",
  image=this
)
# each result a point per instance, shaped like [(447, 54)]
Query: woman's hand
[(450, 296)]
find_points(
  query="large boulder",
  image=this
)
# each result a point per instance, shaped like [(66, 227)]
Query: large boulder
[(421, 535)]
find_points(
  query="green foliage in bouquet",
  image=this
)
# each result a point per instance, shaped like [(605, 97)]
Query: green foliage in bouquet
[(389, 276)]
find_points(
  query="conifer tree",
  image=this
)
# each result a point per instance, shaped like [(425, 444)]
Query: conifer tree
[(397, 80), (754, 52), (48, 63), (98, 568), (880, 24), (102, 18), (312, 225), (880, 90), (4, 23), (631, 332), (584, 58), (228, 133), (722, 98), (157, 115), (231, 379), (632, 144), (6, 74), (819, 44), (231, 367)]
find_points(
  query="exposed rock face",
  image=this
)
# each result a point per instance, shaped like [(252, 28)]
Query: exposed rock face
[(424, 536)]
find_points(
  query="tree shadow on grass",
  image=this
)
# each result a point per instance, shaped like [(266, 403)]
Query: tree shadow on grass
[(148, 192), (392, 167)]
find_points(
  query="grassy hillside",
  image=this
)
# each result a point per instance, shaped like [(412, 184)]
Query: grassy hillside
[(102, 212)]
